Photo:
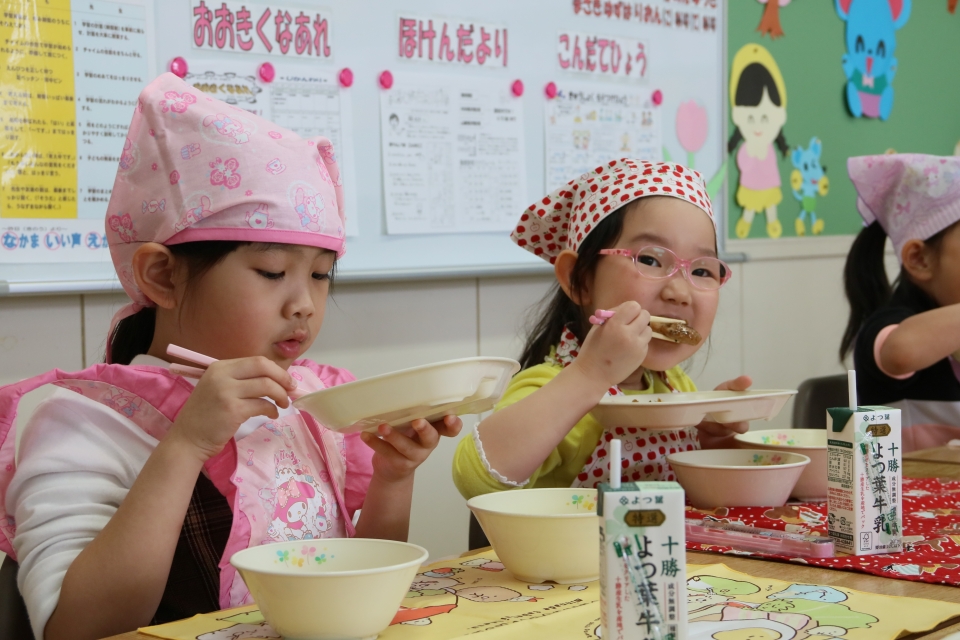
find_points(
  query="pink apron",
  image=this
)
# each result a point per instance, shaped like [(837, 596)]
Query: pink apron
[(287, 480), (644, 450)]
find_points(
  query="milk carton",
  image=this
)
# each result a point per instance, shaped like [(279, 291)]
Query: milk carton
[(643, 524), (864, 480)]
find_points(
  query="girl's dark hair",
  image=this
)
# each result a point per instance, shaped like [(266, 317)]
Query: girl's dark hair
[(134, 334), (753, 80), (865, 279), (557, 310)]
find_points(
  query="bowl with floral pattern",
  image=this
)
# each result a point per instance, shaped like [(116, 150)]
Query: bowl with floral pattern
[(737, 477), (543, 534), (326, 589), (812, 485)]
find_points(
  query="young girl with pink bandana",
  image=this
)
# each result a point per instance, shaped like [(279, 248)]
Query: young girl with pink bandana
[(906, 339), (133, 485), (634, 237)]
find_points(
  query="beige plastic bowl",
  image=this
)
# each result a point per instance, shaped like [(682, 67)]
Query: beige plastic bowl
[(737, 477), (812, 485), (328, 589), (543, 534)]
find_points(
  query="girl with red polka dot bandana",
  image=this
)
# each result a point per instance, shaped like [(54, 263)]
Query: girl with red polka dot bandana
[(636, 238)]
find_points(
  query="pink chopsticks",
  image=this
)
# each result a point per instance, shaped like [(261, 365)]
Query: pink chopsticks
[(601, 316), (205, 361)]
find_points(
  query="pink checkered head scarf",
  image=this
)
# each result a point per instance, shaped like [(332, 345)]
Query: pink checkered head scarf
[(912, 196), (194, 168), (562, 219)]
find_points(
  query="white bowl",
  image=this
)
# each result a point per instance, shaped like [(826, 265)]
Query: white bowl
[(737, 477), (543, 534), (431, 391), (812, 485), (683, 410), (328, 589)]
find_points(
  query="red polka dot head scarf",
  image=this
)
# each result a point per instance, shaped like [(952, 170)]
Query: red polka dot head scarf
[(562, 219)]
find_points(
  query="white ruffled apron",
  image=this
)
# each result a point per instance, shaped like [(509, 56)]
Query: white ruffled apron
[(644, 450)]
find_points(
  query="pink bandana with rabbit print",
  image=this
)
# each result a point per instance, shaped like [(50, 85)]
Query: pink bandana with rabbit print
[(194, 168), (644, 450)]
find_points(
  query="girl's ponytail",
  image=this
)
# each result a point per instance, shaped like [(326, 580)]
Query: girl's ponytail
[(557, 310), (865, 281), (132, 336)]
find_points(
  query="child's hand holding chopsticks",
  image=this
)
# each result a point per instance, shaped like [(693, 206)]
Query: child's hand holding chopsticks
[(228, 393), (611, 353)]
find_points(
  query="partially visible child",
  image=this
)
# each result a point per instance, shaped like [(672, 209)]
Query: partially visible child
[(906, 339), (635, 237), (134, 487)]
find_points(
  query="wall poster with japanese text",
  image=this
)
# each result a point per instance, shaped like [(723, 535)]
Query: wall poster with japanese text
[(70, 83), (307, 99), (586, 127), (453, 155)]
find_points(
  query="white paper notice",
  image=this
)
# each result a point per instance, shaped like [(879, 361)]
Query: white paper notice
[(588, 127), (453, 158), (302, 99)]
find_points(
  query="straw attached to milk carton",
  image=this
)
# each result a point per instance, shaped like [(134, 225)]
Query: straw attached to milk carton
[(864, 478), (642, 557)]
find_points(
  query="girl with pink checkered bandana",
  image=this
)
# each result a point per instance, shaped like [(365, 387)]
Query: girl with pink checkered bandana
[(636, 238)]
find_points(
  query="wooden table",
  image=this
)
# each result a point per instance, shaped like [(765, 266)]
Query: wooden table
[(942, 462)]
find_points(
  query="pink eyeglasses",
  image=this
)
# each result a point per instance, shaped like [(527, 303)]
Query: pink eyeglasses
[(659, 263)]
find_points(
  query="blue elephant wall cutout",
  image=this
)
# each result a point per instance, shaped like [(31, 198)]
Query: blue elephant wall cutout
[(869, 63)]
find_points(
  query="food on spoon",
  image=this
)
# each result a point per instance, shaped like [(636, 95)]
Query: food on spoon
[(677, 331)]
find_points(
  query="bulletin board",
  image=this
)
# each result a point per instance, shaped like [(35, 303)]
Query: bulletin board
[(924, 116), (683, 66)]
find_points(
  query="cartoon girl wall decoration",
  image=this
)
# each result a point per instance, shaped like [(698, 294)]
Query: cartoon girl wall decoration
[(758, 108)]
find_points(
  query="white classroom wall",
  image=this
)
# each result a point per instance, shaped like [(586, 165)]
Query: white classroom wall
[(780, 321)]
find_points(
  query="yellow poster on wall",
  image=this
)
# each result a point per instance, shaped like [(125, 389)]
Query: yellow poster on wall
[(38, 148), (68, 86)]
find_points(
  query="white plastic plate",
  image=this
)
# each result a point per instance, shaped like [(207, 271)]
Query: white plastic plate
[(431, 391), (682, 410)]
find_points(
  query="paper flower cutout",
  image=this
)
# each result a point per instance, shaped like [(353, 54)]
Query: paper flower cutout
[(692, 126)]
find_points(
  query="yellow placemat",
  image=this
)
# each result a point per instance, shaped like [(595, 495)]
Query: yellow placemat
[(473, 595), (723, 604)]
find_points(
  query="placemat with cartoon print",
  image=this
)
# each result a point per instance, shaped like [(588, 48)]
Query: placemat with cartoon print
[(931, 525), (475, 596)]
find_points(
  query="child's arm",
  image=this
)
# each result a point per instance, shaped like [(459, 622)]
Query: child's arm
[(517, 439), (921, 341), (386, 509), (116, 583)]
